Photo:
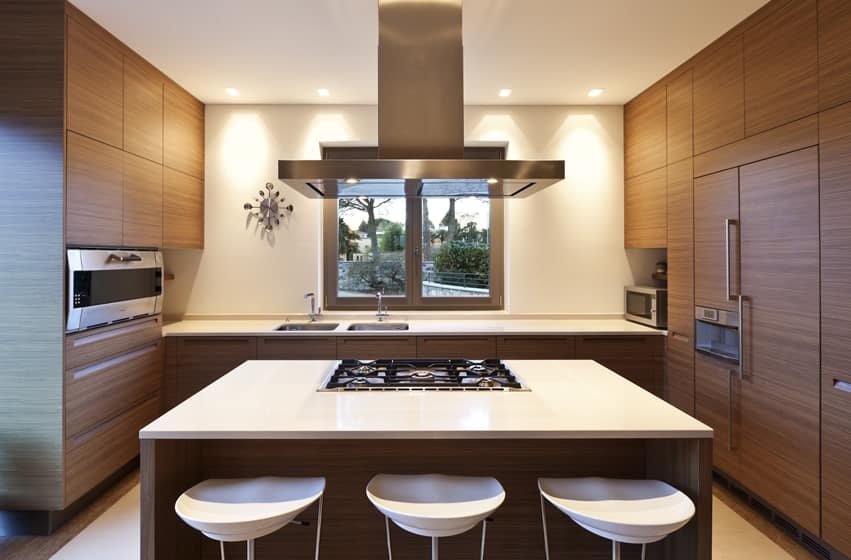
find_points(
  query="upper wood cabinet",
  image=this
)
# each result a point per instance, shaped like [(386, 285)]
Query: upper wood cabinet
[(781, 67), (94, 192), (183, 132), (95, 85), (834, 52), (143, 202), (680, 113), (716, 200), (719, 95), (644, 132), (681, 248), (183, 211), (143, 109), (645, 210)]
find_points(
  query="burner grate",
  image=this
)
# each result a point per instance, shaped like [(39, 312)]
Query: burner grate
[(409, 375)]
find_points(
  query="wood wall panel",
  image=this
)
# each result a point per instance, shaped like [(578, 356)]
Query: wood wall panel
[(834, 52), (183, 132), (645, 210), (183, 211), (719, 95), (143, 109), (679, 118), (143, 202), (781, 67), (95, 196), (95, 85), (836, 456), (645, 133), (716, 198)]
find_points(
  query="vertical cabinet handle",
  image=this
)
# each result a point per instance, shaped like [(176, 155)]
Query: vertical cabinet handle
[(727, 223), (730, 410), (741, 309)]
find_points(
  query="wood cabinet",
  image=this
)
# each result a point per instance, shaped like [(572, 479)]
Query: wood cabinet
[(95, 85), (94, 192), (680, 112), (834, 52), (183, 132), (645, 132), (143, 109), (719, 95), (679, 371), (183, 211), (716, 200), (375, 347), (780, 329), (199, 361), (645, 210), (466, 347), (716, 387), (835, 458), (781, 67), (297, 348), (537, 347), (635, 357), (143, 202)]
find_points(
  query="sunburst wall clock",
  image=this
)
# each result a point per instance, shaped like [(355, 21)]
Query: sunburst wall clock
[(269, 207)]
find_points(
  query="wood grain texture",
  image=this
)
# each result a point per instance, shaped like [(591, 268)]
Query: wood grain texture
[(637, 358), (183, 132), (143, 202), (834, 53), (835, 458), (297, 348), (644, 133), (183, 211), (717, 404), (835, 209), (32, 74), (376, 347), (143, 109), (780, 275), (781, 67), (680, 113), (95, 196), (793, 136), (719, 96), (645, 210), (679, 372), (518, 347), (716, 198), (202, 360), (681, 248), (97, 344), (95, 85), (468, 347)]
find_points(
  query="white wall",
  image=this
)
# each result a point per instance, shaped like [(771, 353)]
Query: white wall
[(564, 245)]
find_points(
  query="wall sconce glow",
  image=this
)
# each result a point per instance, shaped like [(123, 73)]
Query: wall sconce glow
[(492, 181), (504, 92), (351, 181), (596, 92), (323, 92), (233, 92)]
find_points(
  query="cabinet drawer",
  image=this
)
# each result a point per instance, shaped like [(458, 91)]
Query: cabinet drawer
[(95, 455), (468, 347), (631, 346), (94, 346), (836, 456), (536, 347), (376, 347), (297, 348), (99, 391)]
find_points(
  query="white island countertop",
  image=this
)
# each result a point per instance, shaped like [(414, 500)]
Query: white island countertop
[(575, 399)]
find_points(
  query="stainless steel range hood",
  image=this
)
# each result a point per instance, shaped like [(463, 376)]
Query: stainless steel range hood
[(420, 121)]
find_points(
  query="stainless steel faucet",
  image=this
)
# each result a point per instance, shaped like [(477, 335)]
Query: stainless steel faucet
[(314, 312), (382, 313)]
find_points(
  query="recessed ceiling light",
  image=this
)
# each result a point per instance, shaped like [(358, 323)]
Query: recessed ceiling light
[(596, 92), (233, 92), (504, 92), (323, 92)]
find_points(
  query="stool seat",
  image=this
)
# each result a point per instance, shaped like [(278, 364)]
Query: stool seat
[(628, 511), (435, 505), (241, 509)]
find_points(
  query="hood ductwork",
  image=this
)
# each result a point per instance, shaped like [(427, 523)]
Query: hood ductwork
[(420, 121)]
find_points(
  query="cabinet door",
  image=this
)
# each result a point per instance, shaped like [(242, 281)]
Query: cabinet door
[(716, 387), (462, 347), (781, 67), (143, 109), (681, 248), (835, 461), (183, 211), (679, 371), (95, 85), (202, 360), (637, 358), (834, 52), (143, 202), (680, 113), (716, 199), (522, 347), (780, 330), (183, 133), (645, 211), (297, 348), (719, 95), (644, 132), (94, 197), (376, 347)]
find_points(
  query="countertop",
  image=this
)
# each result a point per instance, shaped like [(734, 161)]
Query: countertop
[(575, 399), (417, 326)]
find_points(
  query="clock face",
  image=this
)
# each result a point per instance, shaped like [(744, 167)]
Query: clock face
[(268, 207)]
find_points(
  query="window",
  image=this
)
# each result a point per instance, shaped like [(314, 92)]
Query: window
[(422, 253)]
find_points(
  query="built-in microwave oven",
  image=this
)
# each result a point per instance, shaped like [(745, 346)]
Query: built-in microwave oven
[(646, 305), (107, 286)]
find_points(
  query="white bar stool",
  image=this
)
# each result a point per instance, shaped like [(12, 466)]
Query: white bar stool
[(624, 511), (435, 505), (245, 509)]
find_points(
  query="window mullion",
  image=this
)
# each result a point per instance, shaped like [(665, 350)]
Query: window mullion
[(412, 249)]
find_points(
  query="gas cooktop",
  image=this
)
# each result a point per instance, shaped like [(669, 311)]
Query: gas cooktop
[(422, 375)]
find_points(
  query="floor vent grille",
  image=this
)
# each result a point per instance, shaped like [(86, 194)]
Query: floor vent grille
[(815, 547)]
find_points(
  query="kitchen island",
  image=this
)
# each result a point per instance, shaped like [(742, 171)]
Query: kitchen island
[(267, 418)]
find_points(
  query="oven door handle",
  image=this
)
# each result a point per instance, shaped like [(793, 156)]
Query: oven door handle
[(132, 257)]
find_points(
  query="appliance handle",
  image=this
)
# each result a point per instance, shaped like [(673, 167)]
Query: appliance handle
[(727, 223), (741, 309), (842, 385), (132, 257), (730, 375)]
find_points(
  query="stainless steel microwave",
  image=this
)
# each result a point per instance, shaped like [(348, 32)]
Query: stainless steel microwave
[(646, 305), (106, 286)]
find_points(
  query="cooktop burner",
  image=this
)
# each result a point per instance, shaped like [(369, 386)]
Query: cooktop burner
[(423, 375)]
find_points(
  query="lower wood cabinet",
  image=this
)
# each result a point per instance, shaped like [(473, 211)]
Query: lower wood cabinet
[(522, 347), (466, 347), (679, 371), (297, 348), (192, 363), (716, 385), (638, 358), (375, 347), (835, 461)]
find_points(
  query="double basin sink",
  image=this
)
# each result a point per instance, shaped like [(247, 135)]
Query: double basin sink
[(353, 327)]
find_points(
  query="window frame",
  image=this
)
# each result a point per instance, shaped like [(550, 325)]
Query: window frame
[(413, 298)]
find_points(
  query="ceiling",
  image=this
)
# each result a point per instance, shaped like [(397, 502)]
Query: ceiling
[(549, 52)]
